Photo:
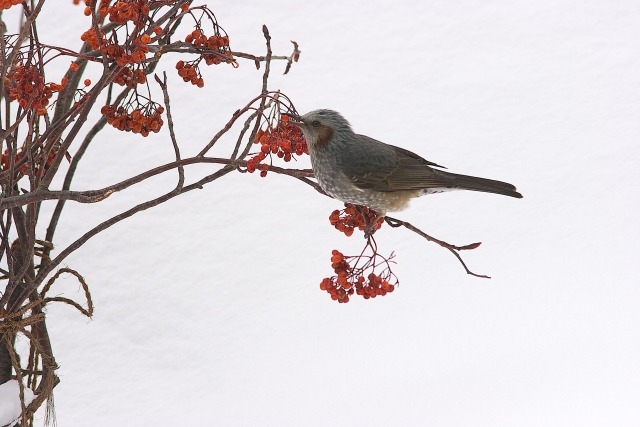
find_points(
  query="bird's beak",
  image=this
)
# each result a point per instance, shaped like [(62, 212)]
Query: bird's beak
[(296, 120)]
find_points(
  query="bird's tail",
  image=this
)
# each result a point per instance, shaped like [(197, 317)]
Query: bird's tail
[(473, 183)]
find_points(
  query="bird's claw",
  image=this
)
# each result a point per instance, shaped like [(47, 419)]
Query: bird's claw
[(369, 230)]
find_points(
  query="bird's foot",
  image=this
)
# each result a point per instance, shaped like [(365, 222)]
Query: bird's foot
[(371, 220), (372, 225), (369, 230)]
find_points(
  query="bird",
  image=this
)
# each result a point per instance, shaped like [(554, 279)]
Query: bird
[(363, 171)]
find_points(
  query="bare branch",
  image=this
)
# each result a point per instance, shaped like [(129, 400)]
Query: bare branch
[(393, 222), (176, 148), (93, 196)]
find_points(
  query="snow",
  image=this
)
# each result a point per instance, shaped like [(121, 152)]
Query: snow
[(208, 309), (10, 408)]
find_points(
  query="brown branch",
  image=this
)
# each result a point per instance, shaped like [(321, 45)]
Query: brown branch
[(393, 222), (75, 161), (313, 184), (262, 97), (183, 47), (267, 66), (231, 165), (236, 148), (93, 196), (293, 58), (228, 126), (176, 148), (126, 214)]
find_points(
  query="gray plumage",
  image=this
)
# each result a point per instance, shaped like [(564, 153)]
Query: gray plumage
[(360, 170)]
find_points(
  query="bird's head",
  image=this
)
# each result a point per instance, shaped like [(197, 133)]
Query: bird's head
[(321, 126)]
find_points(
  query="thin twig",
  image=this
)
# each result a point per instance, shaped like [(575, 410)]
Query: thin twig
[(393, 222), (176, 148), (93, 196)]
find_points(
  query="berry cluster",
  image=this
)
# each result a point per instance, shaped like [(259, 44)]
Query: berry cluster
[(130, 78), (349, 280), (142, 120), (6, 4), (284, 140), (219, 44), (24, 168), (26, 85), (133, 52), (123, 11), (352, 217), (102, 7), (190, 72), (5, 162), (93, 38)]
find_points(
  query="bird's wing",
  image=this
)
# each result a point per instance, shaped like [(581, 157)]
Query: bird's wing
[(381, 167)]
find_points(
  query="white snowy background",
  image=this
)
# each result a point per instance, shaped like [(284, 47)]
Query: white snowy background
[(208, 310)]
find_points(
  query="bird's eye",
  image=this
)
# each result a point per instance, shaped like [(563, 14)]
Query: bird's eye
[(315, 123)]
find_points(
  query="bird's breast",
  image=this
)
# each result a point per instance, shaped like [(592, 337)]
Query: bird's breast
[(332, 181), (339, 186)]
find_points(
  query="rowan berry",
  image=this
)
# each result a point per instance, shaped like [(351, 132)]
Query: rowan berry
[(357, 275), (350, 218), (26, 85), (284, 140), (142, 119)]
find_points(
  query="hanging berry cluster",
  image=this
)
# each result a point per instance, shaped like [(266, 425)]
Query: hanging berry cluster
[(284, 140), (143, 119), (94, 38), (190, 72), (121, 12), (133, 21), (217, 48), (352, 217), (130, 57), (351, 279), (134, 52), (22, 168), (130, 78), (357, 274), (26, 85), (217, 43), (23, 164), (132, 14)]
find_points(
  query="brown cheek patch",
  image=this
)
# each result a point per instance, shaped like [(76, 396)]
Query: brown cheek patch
[(325, 134)]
